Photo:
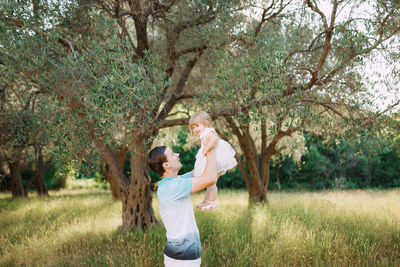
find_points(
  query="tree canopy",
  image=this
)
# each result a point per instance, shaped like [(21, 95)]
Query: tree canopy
[(97, 80)]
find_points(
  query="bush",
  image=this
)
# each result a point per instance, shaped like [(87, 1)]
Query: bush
[(345, 165)]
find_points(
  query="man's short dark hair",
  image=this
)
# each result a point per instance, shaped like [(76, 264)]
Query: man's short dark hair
[(156, 159)]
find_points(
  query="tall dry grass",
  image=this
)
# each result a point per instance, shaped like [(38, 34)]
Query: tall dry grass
[(79, 228)]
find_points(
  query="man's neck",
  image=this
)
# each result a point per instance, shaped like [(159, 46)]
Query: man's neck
[(173, 174)]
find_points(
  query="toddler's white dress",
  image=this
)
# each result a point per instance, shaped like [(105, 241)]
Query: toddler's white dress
[(224, 155)]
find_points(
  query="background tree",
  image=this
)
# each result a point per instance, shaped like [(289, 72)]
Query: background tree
[(23, 130), (115, 70), (298, 67)]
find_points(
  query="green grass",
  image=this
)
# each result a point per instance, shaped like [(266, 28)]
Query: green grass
[(79, 228)]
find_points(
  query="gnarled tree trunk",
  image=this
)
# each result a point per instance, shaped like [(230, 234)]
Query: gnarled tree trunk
[(250, 166), (137, 209), (115, 193), (17, 188), (38, 176), (115, 190), (41, 170), (135, 193), (255, 167)]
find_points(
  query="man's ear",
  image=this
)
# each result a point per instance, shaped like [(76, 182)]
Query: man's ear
[(165, 165)]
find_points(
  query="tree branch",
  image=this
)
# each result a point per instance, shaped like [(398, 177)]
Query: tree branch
[(189, 50), (179, 87), (65, 42), (315, 9), (234, 127), (140, 22), (389, 107), (265, 17), (242, 168), (175, 122), (263, 136), (199, 20)]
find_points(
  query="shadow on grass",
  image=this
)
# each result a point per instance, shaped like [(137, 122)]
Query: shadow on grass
[(226, 241), (21, 222), (12, 204), (82, 194), (113, 248)]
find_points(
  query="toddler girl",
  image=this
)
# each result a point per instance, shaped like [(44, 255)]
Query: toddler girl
[(200, 124)]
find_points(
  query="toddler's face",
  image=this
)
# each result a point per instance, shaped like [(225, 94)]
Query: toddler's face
[(197, 128)]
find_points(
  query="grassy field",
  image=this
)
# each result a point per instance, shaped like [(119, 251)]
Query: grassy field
[(79, 228)]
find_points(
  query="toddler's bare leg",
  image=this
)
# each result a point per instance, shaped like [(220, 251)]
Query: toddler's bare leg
[(212, 192), (211, 197)]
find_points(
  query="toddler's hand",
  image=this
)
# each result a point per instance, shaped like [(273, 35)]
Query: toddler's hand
[(209, 143)]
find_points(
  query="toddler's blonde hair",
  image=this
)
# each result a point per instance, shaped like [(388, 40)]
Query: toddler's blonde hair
[(200, 117)]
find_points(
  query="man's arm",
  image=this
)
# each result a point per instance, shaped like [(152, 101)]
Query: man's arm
[(209, 176)]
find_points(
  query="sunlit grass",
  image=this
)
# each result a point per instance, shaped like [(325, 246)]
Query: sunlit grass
[(79, 228)]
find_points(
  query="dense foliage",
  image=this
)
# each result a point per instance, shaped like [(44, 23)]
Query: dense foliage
[(341, 165)]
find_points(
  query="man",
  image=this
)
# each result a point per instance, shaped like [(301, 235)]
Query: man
[(175, 205)]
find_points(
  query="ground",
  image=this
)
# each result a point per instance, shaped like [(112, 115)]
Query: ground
[(330, 228)]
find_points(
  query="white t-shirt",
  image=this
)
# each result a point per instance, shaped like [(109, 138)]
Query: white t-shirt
[(177, 215)]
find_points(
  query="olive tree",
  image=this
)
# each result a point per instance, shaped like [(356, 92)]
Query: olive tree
[(114, 71), (299, 68)]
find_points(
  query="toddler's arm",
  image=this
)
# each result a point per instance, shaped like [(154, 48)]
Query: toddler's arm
[(211, 140)]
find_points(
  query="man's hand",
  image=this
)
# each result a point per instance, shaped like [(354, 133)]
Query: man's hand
[(209, 176)]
